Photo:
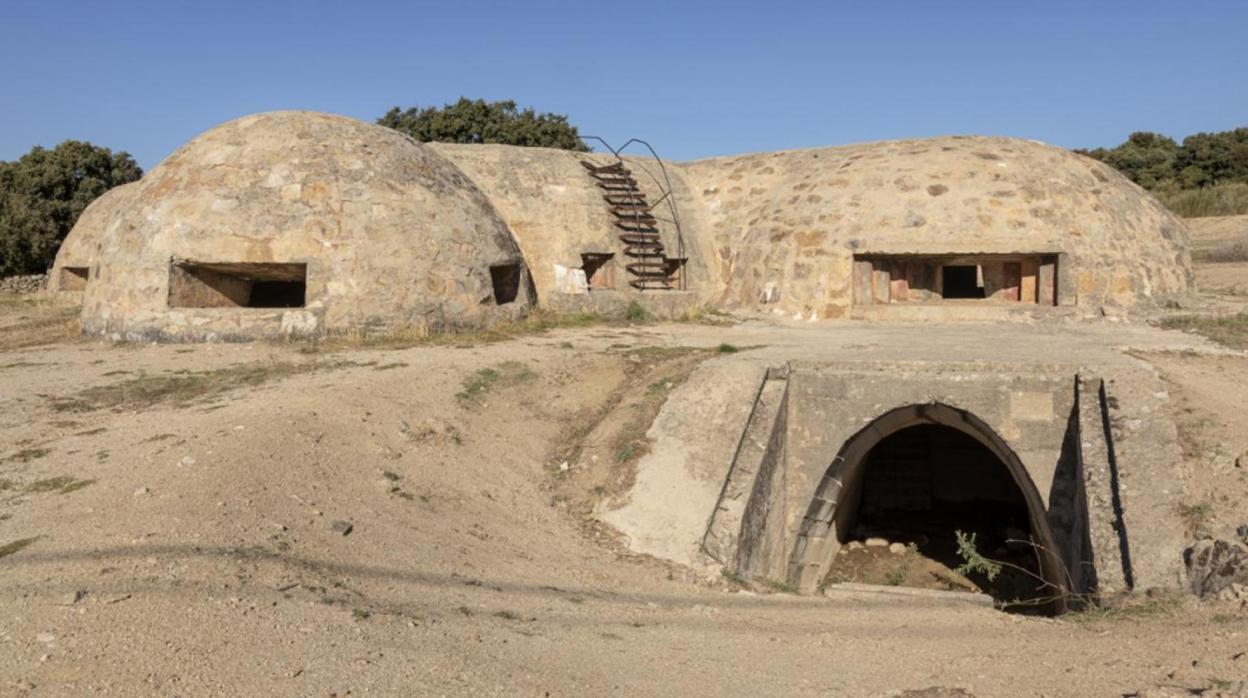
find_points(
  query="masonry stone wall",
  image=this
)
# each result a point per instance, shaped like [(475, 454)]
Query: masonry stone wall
[(785, 226), (391, 233), (394, 232), (23, 283), (79, 249)]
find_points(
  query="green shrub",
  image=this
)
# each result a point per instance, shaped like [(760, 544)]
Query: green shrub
[(43, 193), (637, 312)]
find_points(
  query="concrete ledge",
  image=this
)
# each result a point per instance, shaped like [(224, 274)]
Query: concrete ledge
[(937, 595), (955, 311)]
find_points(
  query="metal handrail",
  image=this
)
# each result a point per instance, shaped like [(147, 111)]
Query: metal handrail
[(665, 188)]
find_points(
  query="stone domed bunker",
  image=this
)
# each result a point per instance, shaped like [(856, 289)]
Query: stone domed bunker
[(956, 222), (78, 252), (303, 223), (296, 223)]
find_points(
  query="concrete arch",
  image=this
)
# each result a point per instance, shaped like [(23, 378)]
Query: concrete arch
[(817, 544)]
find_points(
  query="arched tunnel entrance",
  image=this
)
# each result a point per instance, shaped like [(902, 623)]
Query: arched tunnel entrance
[(919, 476)]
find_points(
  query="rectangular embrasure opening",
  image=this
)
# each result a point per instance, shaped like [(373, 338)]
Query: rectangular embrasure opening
[(991, 278), (599, 270), (675, 268), (74, 278), (961, 281), (506, 280), (237, 285)]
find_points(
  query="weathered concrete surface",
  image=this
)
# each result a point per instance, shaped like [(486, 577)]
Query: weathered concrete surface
[(557, 213), (693, 440), (1030, 406), (391, 232), (758, 454), (1149, 467), (79, 248), (786, 225)]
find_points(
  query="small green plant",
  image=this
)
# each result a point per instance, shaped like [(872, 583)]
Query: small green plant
[(391, 476), (506, 615), (625, 453), (637, 312), (973, 561), (478, 384), (733, 577), (726, 348), (360, 614), (658, 386), (1194, 515), (898, 576)]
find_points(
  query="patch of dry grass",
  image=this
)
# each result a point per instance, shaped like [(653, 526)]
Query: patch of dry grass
[(181, 388), (28, 321), (16, 546), (475, 387), (1128, 607), (1228, 199), (26, 455), (1228, 330), (1234, 251), (62, 484), (537, 322)]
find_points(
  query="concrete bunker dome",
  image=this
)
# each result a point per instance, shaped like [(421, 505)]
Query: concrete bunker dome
[(823, 232), (301, 223)]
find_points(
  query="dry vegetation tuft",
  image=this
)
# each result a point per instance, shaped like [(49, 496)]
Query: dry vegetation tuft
[(1234, 251), (181, 388), (1228, 330), (1229, 199), (537, 322), (28, 321), (475, 387)]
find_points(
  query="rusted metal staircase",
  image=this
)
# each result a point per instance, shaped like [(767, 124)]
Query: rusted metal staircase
[(649, 265)]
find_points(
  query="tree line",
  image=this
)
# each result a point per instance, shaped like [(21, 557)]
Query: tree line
[(1206, 174), (42, 194)]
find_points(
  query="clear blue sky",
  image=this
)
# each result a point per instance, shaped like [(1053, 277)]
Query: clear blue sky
[(695, 78)]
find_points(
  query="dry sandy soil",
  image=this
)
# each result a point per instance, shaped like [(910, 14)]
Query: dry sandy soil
[(173, 521), (1228, 278)]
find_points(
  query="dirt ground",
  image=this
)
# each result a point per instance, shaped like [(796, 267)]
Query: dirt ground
[(280, 520), (1225, 280)]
